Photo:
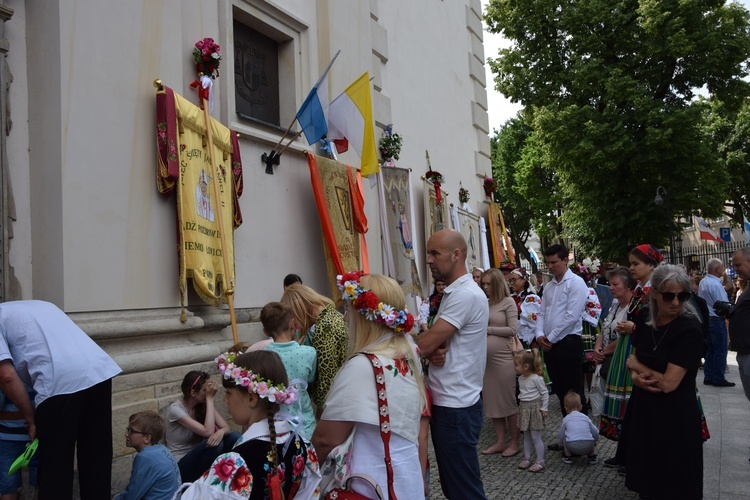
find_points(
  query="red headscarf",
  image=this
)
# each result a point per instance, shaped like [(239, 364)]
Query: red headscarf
[(651, 253)]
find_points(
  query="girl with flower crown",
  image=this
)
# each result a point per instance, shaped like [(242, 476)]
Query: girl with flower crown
[(348, 434), (274, 461)]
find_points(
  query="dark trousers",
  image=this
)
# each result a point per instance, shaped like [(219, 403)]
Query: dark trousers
[(82, 419), (564, 368), (455, 434), (714, 369), (199, 459)]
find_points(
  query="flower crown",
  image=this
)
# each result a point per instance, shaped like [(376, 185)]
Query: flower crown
[(253, 383), (367, 303)]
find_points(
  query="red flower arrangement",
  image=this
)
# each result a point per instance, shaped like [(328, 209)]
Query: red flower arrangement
[(490, 186), (436, 178), (207, 57)]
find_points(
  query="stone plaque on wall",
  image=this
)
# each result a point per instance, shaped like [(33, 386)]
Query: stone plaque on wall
[(256, 75)]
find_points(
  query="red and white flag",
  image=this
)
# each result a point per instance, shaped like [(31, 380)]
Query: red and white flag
[(706, 232)]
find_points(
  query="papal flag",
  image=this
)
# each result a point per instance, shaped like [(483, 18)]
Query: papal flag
[(184, 166), (350, 119)]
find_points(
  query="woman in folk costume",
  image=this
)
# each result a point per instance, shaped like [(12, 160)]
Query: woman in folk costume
[(270, 460), (349, 432)]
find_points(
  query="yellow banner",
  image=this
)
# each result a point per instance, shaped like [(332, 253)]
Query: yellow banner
[(197, 207)]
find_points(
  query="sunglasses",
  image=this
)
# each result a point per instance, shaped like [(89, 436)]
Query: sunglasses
[(130, 431), (201, 376), (512, 280), (669, 296)]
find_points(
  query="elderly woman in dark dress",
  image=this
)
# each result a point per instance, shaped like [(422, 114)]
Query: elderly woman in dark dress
[(665, 457)]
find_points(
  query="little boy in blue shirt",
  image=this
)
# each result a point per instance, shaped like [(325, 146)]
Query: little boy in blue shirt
[(14, 438), (577, 435), (155, 474)]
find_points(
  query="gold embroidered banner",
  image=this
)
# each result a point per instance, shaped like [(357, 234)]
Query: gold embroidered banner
[(181, 129), (333, 195)]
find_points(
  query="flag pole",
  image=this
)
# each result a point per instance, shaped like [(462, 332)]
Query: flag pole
[(227, 285), (273, 159)]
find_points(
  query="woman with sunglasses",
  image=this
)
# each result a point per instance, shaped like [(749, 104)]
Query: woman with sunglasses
[(196, 432), (666, 460)]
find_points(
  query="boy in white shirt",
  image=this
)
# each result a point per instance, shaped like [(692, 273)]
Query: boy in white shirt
[(577, 435)]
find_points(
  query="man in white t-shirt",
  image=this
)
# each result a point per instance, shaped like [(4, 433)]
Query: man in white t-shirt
[(457, 346), (41, 347)]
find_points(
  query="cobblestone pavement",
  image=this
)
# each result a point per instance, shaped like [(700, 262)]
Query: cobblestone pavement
[(578, 481)]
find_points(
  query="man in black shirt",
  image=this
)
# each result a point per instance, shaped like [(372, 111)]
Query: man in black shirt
[(739, 323)]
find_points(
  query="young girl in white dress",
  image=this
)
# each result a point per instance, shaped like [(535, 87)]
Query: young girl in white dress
[(534, 399)]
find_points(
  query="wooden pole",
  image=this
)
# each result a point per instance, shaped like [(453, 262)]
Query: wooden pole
[(227, 285)]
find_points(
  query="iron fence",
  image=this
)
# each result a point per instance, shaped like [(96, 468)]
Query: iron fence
[(694, 258)]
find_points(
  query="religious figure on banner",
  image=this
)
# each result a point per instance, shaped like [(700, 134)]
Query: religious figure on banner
[(472, 243), (397, 192), (202, 198), (184, 166)]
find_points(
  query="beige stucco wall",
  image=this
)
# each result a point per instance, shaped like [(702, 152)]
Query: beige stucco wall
[(99, 235), (95, 237)]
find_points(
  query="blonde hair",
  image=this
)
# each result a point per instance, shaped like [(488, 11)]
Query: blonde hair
[(378, 338), (303, 301), (498, 286), (572, 401), (531, 358)]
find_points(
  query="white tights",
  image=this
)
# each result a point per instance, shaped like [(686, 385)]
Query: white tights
[(533, 439)]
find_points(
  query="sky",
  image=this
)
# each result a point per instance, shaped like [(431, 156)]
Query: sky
[(500, 108)]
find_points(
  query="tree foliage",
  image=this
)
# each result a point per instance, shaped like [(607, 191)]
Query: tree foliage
[(523, 184), (728, 129), (610, 88)]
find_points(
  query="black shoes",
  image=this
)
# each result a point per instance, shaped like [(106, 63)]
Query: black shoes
[(611, 462), (723, 383), (554, 447)]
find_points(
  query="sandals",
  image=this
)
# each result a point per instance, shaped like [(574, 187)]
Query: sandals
[(525, 463), (537, 467), (509, 452)]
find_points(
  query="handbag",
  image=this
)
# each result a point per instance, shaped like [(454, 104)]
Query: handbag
[(517, 345), (346, 493)]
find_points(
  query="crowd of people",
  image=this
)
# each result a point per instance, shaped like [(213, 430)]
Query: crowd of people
[(336, 401)]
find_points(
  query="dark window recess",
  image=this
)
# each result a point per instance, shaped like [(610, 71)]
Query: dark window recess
[(256, 75)]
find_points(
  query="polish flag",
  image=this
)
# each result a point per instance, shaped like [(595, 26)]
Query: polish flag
[(706, 232)]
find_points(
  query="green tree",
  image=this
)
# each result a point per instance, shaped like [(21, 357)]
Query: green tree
[(526, 185), (728, 128), (611, 85)]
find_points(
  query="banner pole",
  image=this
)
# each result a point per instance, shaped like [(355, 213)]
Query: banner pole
[(227, 285)]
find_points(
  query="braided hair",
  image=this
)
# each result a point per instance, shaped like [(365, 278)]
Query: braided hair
[(268, 365)]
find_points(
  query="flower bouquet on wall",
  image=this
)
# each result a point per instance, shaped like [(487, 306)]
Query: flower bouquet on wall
[(390, 146), (207, 58)]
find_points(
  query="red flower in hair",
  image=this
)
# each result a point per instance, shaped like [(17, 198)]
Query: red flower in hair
[(352, 276), (366, 300), (409, 323)]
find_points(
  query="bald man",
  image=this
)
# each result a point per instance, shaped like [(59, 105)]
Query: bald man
[(457, 346)]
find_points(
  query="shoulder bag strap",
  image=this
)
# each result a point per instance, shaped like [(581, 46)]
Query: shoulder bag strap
[(385, 419)]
